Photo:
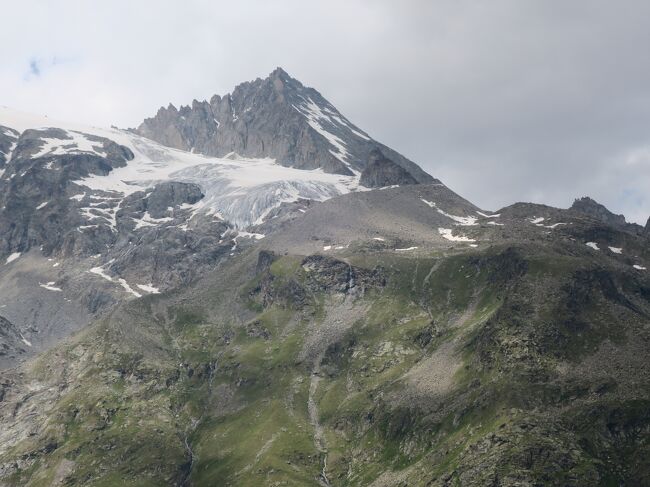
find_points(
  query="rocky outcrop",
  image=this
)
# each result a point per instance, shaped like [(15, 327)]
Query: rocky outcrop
[(592, 208), (8, 138), (275, 117), (382, 171), (12, 343)]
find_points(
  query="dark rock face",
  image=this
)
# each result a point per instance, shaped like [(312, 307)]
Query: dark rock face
[(8, 138), (647, 227), (32, 180), (276, 117), (12, 345), (381, 171), (592, 208)]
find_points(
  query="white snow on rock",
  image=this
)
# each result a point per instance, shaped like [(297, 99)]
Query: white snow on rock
[(50, 286), (42, 205), (484, 215), (379, 239), (148, 221), (128, 288), (616, 250), (496, 224), (461, 220), (535, 221), (639, 267), (327, 247), (554, 225), (447, 233), (319, 118), (406, 249), (149, 288), (243, 190), (76, 143), (25, 341), (100, 272), (256, 236), (592, 245), (12, 257)]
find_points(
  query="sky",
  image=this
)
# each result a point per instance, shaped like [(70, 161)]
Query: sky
[(504, 101)]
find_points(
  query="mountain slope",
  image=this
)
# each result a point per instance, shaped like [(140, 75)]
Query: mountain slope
[(91, 217), (275, 117), (519, 361)]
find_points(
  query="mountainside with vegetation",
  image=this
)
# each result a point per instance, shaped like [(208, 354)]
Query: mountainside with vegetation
[(520, 359), (253, 291)]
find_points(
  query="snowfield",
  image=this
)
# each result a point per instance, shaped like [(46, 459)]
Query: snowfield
[(241, 190)]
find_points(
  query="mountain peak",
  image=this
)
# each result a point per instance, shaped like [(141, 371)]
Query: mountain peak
[(592, 208), (296, 127)]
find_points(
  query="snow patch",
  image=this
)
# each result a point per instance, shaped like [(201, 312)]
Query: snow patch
[(461, 220), (128, 288), (446, 233), (100, 272), (12, 257), (50, 286), (76, 143), (592, 245), (406, 249), (616, 250), (149, 288), (639, 267), (25, 341), (42, 205)]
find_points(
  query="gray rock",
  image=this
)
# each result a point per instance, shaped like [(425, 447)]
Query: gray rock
[(595, 210), (381, 171), (276, 117)]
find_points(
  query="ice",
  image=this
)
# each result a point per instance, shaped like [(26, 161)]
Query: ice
[(243, 190)]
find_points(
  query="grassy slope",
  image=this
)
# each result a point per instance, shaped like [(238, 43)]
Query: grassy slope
[(168, 393)]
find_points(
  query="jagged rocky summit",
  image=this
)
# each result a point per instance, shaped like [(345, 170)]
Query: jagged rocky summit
[(279, 117)]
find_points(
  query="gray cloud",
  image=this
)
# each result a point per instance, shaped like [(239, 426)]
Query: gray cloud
[(504, 100)]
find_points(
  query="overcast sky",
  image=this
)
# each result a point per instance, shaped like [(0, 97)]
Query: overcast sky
[(503, 100)]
